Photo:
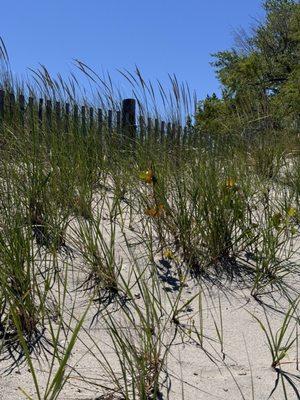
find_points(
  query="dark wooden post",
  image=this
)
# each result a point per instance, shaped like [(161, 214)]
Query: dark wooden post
[(128, 116)]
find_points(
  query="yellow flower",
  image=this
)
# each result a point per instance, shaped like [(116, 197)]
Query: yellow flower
[(168, 253), (148, 176), (156, 211), (230, 183), (291, 212)]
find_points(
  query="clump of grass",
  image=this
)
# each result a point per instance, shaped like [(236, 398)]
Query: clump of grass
[(282, 341), (204, 209), (267, 155), (140, 337), (96, 243), (276, 232), (67, 327), (23, 292)]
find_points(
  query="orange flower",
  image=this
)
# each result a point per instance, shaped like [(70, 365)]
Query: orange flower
[(156, 211), (148, 176)]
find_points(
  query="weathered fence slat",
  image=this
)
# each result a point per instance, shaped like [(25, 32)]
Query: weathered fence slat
[(156, 129), (168, 130), (100, 120), (49, 114), (91, 117), (31, 111), (40, 112), (2, 105), (149, 124), (58, 115), (75, 117), (142, 127), (11, 106), (67, 117), (22, 108), (184, 137), (162, 131), (118, 121), (109, 121), (83, 120)]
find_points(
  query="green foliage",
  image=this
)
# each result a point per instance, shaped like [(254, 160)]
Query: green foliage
[(213, 115), (260, 76)]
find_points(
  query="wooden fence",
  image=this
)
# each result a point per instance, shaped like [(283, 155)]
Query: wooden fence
[(64, 117)]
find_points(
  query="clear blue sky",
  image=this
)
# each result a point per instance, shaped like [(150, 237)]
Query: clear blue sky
[(160, 36)]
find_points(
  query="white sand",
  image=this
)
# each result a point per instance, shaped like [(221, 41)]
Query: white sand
[(192, 372)]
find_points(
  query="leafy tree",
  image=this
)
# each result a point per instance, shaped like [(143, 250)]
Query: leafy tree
[(260, 76)]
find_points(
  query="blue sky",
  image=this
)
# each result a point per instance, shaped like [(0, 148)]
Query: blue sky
[(160, 36)]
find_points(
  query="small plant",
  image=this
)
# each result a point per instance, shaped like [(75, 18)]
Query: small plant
[(267, 156), (23, 292), (68, 327), (206, 213), (282, 341), (273, 248), (97, 248)]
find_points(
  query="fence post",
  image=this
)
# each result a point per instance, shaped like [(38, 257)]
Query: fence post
[(109, 120), (118, 121), (22, 108), (40, 113), (67, 116), (11, 107), (83, 120), (128, 116), (31, 112), (58, 116), (142, 128), (100, 121), (162, 131), (169, 130), (75, 118), (91, 118), (1, 105), (48, 115)]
